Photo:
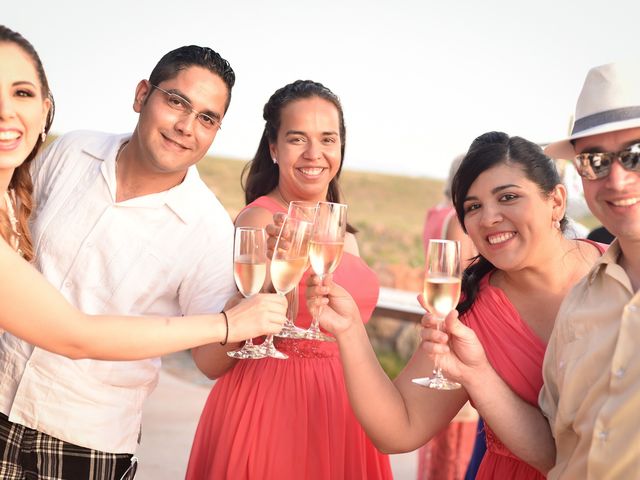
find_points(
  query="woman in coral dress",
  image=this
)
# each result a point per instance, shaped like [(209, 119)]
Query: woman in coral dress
[(290, 419), (510, 199)]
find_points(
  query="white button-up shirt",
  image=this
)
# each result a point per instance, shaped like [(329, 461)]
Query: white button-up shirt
[(168, 253)]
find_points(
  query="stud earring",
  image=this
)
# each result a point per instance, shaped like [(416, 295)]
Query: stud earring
[(556, 224), (274, 159)]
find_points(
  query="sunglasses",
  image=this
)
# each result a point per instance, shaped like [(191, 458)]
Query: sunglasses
[(594, 166)]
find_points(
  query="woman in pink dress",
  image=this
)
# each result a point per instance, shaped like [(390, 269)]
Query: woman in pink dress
[(510, 200), (290, 419)]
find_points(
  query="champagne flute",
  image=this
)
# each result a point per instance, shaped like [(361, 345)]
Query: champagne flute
[(325, 251), (441, 293), (304, 211), (249, 272), (288, 264)]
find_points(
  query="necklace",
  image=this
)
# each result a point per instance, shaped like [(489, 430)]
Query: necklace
[(283, 201), (15, 241)]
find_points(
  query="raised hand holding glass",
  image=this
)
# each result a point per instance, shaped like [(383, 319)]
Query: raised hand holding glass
[(249, 272), (288, 265), (325, 251), (303, 211), (441, 293)]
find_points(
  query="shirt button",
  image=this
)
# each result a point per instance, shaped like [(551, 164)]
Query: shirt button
[(68, 284), (89, 244), (603, 435), (620, 372)]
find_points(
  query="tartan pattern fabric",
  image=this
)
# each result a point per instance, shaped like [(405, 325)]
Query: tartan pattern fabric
[(26, 454)]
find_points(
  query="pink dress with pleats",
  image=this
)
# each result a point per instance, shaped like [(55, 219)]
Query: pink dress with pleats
[(290, 419), (516, 353)]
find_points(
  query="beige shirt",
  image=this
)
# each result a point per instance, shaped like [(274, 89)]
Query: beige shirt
[(591, 370)]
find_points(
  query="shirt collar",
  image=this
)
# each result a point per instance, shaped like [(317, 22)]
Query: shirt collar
[(180, 199), (608, 264)]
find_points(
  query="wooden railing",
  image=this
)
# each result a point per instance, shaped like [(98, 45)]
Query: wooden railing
[(399, 304)]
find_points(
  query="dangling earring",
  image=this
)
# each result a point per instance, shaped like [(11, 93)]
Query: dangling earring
[(43, 135)]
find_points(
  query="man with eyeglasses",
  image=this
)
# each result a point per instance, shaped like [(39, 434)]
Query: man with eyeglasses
[(123, 225), (591, 392)]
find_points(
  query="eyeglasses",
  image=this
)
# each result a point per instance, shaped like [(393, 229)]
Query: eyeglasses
[(180, 104), (594, 166), (131, 471)]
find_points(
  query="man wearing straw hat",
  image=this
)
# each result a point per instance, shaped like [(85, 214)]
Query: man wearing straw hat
[(591, 392)]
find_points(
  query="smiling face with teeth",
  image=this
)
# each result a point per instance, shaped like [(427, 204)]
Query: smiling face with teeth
[(166, 142), (615, 199), (23, 108), (509, 219), (307, 148)]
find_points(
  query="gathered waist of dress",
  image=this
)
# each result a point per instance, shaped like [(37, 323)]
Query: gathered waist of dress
[(307, 348), (495, 445)]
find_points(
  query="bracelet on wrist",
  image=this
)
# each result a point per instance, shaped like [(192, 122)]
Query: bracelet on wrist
[(226, 323)]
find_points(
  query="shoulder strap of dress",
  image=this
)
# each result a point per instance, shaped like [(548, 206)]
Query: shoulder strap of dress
[(600, 246), (266, 203)]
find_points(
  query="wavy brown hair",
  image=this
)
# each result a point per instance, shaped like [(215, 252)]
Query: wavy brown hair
[(21, 182)]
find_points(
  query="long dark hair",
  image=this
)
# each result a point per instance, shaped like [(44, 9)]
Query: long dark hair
[(261, 175), (487, 151), (21, 182)]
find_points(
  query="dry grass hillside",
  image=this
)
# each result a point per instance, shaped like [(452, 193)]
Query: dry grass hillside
[(388, 210)]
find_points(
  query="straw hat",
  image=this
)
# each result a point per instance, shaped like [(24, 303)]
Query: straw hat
[(609, 101)]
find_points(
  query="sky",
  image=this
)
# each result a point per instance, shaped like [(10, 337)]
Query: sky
[(418, 79)]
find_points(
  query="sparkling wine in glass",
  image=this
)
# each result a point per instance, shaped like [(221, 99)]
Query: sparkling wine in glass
[(325, 251), (441, 294), (249, 272), (303, 210), (288, 264), (306, 211)]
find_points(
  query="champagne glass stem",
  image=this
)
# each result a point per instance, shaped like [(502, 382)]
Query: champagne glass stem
[(269, 349), (289, 329), (313, 332), (315, 320), (248, 350), (437, 371)]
